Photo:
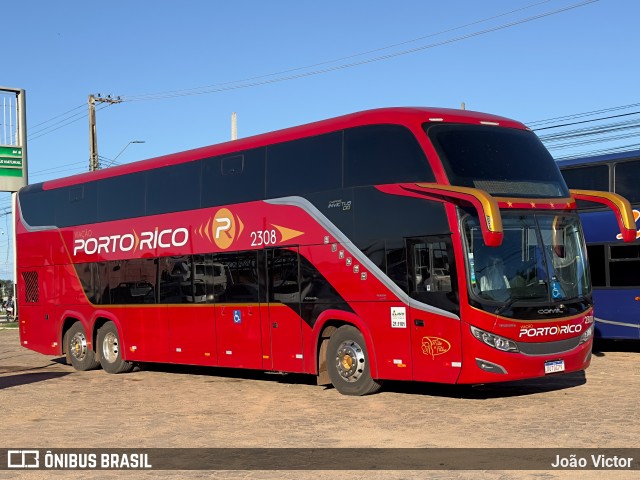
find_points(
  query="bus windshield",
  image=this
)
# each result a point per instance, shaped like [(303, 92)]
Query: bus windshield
[(542, 259), (502, 161)]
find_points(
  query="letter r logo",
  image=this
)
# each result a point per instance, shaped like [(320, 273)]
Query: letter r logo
[(226, 225), (223, 228)]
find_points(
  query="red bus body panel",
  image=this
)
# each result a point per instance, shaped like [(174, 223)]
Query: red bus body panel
[(432, 345)]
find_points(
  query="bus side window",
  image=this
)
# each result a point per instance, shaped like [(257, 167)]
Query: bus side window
[(242, 283), (396, 259), (587, 177), (176, 280), (431, 272), (624, 263), (378, 154), (133, 281), (306, 165), (597, 265), (232, 179), (627, 178), (233, 165)]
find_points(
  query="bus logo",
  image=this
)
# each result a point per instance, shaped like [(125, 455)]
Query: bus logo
[(552, 330), (23, 459), (434, 346), (119, 243), (224, 228), (636, 216)]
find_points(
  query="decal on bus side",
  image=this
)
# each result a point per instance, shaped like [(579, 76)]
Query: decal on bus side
[(398, 317), (433, 346), (636, 217), (553, 330), (132, 241), (224, 227)]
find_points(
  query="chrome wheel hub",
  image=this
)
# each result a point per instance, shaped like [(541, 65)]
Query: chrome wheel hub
[(110, 347), (78, 347), (350, 361)]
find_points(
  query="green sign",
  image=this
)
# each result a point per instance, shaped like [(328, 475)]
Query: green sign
[(10, 157)]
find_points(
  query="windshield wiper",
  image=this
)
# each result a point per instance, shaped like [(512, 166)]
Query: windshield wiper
[(519, 298), (559, 301)]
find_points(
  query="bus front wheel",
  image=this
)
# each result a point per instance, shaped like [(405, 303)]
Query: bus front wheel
[(109, 347), (348, 363), (79, 352)]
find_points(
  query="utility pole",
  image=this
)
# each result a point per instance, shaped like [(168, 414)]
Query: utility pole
[(93, 139), (234, 126), (94, 162)]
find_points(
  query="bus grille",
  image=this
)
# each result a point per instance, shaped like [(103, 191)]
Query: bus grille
[(549, 348), (31, 292)]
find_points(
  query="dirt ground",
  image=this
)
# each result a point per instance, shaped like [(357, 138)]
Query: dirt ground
[(46, 404)]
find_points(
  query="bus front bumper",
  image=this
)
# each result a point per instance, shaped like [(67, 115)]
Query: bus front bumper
[(485, 364)]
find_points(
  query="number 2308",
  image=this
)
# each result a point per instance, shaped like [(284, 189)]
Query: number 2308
[(263, 237)]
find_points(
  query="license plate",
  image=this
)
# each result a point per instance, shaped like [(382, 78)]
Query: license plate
[(554, 366)]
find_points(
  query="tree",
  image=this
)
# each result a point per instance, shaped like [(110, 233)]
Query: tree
[(6, 288)]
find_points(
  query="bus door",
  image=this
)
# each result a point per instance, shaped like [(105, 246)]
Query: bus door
[(435, 338), (237, 310), (285, 324)]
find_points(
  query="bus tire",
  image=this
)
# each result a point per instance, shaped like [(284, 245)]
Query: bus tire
[(348, 363), (78, 350), (109, 349)]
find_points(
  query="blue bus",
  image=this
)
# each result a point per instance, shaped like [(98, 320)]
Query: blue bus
[(614, 265)]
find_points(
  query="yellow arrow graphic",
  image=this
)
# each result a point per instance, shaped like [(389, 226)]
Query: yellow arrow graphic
[(287, 233)]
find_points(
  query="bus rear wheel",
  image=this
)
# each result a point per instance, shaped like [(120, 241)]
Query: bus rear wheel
[(348, 363), (79, 352), (109, 347)]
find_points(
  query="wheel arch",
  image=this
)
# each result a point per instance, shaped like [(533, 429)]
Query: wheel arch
[(327, 323)]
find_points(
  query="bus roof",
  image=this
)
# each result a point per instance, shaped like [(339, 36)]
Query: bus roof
[(395, 115), (599, 158)]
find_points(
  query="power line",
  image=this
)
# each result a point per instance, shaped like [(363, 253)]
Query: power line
[(238, 84), (50, 127), (586, 121), (578, 115), (592, 130), (73, 170), (599, 132), (603, 151), (84, 115), (196, 90), (250, 82), (57, 116)]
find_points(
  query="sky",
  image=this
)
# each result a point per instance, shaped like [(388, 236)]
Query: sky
[(182, 68)]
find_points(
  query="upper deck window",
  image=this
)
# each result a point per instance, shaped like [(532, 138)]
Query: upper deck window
[(174, 188), (591, 177), (306, 165), (502, 161), (587, 177), (124, 193), (627, 180), (233, 178), (380, 154)]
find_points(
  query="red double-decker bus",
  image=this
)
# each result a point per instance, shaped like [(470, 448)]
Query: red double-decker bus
[(407, 243)]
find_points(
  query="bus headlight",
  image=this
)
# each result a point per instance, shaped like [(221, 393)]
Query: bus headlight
[(586, 335), (495, 341)]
